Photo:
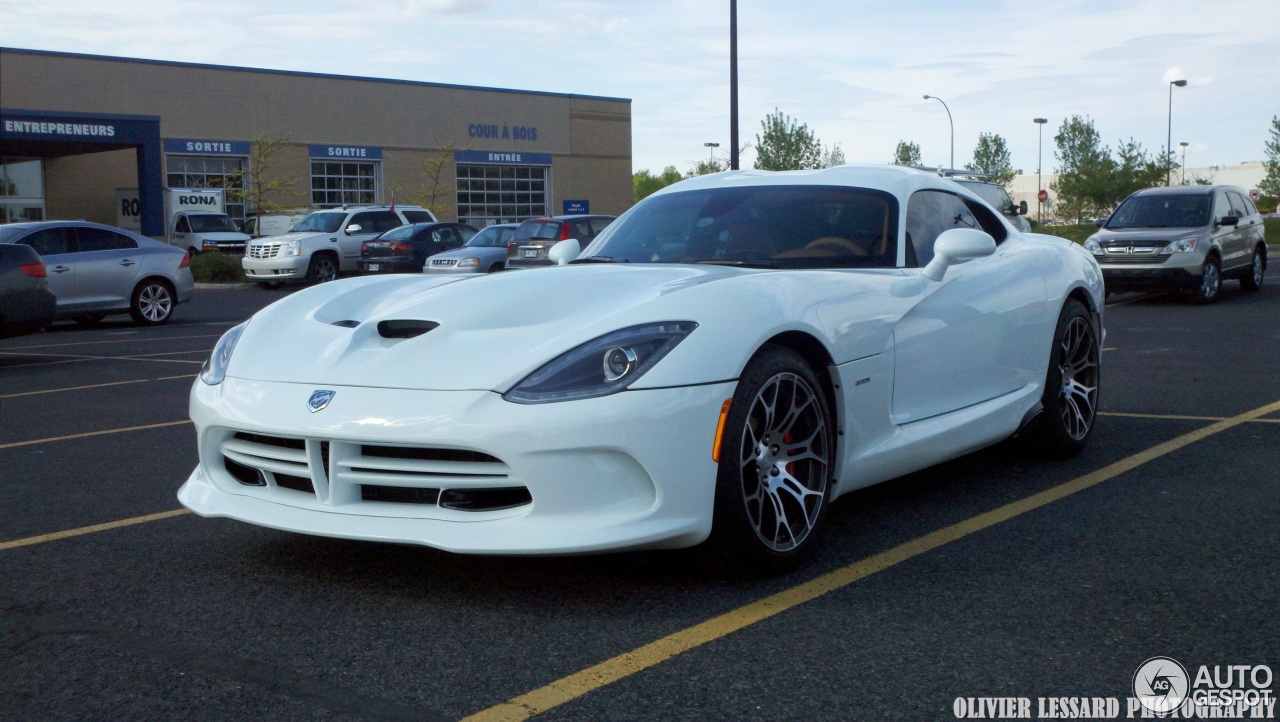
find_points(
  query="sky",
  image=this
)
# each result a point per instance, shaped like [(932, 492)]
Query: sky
[(854, 71)]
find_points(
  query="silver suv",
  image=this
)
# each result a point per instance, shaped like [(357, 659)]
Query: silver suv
[(1182, 237)]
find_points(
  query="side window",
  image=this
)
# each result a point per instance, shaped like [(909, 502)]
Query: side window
[(988, 222), (466, 233), (417, 217), (182, 226), (1221, 207), (387, 220), (1237, 205), (581, 229), (929, 213), (437, 237), (100, 239), (50, 241), (367, 222), (599, 224)]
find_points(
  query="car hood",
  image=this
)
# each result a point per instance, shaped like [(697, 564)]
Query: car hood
[(493, 329), (223, 236), (1140, 235), (286, 237), (472, 252)]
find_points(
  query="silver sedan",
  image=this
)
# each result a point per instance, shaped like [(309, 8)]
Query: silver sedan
[(96, 270), (486, 252)]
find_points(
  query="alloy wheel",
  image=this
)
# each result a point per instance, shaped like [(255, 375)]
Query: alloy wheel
[(1209, 281), (785, 452), (1079, 371), (155, 303)]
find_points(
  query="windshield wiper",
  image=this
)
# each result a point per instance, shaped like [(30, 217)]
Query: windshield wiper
[(598, 259), (741, 264)]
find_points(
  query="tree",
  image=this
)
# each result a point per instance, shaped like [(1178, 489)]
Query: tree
[(260, 189), (435, 191), (991, 157), (783, 144), (1270, 184), (1135, 171), (709, 166), (833, 156), (644, 183), (906, 154), (1084, 171)]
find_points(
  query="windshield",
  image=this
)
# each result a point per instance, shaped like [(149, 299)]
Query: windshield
[(399, 233), (995, 196), (491, 237), (321, 222), (538, 231), (774, 226), (212, 224), (1160, 210)]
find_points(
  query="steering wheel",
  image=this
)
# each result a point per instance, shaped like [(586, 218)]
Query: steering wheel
[(836, 244)]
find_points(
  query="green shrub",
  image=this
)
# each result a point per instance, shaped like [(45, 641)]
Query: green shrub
[(1272, 226), (1074, 232), (217, 268)]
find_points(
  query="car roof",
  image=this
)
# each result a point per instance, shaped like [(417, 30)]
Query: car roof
[(1185, 190), (900, 181)]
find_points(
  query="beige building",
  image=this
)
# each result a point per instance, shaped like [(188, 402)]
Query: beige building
[(75, 129)]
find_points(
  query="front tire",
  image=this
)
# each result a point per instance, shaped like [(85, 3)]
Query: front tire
[(1252, 280), (322, 269), (1070, 398), (775, 475), (152, 303), (1210, 281)]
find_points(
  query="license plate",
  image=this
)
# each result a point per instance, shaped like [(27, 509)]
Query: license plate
[(531, 253), (374, 268)]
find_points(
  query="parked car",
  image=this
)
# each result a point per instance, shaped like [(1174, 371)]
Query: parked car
[(486, 252), (407, 248), (325, 243), (1182, 237), (26, 304), (998, 198), (96, 270), (729, 356), (529, 246)]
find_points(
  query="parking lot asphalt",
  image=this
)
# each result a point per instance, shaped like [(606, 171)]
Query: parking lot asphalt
[(992, 575)]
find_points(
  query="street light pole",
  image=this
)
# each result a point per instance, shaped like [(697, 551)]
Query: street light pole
[(1168, 145), (1040, 169), (713, 147), (953, 127), (1184, 145), (733, 85)]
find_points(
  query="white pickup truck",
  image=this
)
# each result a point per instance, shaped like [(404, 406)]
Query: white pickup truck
[(324, 244), (195, 219)]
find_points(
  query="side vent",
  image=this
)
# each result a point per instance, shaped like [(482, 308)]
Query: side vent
[(406, 328)]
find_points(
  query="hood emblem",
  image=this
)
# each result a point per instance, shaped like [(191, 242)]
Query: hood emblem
[(320, 398)]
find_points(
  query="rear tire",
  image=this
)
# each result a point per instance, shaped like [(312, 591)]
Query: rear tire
[(1071, 386), (323, 269), (1252, 280), (774, 481), (152, 303)]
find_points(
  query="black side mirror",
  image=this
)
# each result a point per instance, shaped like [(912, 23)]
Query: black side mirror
[(1229, 221), (1022, 208), (1099, 222)]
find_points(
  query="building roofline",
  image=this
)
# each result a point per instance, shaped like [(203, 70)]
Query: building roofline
[(298, 73)]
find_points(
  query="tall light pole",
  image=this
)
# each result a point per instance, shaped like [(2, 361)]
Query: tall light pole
[(733, 85), (1184, 145), (1040, 169), (953, 127), (1168, 144), (713, 147)]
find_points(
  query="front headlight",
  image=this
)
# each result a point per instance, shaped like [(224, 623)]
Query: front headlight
[(468, 263), (601, 367), (1182, 245), (215, 369), (292, 248), (1092, 246)]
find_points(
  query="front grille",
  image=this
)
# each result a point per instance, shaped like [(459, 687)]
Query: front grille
[(337, 473), (444, 262), (1121, 260), (263, 250)]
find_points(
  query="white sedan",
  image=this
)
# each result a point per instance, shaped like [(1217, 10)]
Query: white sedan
[(717, 366)]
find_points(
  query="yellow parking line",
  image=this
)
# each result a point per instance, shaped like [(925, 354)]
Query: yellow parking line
[(33, 442), (91, 529), (1171, 417), (624, 665), (96, 386), (123, 340), (73, 358)]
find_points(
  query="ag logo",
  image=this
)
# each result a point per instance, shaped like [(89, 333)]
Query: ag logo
[(1161, 685), (320, 398)]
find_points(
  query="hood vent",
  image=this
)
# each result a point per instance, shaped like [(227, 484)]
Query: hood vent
[(405, 328), (346, 324)]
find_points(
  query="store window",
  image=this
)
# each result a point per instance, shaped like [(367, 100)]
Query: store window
[(21, 190), (198, 171), (345, 183), (489, 194)]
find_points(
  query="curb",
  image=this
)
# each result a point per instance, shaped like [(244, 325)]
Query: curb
[(237, 286)]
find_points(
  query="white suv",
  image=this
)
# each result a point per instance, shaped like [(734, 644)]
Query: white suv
[(324, 244)]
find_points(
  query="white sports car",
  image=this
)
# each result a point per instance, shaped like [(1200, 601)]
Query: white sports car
[(725, 359)]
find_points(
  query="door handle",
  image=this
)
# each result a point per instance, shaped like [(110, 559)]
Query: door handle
[(126, 262), (60, 269)]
